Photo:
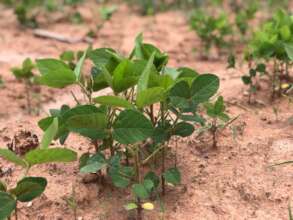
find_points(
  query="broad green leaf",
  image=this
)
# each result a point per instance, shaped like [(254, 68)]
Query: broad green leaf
[(130, 206), (183, 129), (29, 188), (144, 78), (49, 134), (113, 101), (78, 68), (132, 126), (105, 57), (92, 121), (50, 155), (7, 205), (150, 96), (181, 89), (126, 75), (12, 157), (55, 73), (140, 191), (143, 190), (186, 72), (204, 87), (172, 176)]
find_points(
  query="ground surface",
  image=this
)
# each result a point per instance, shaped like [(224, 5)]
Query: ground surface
[(234, 182)]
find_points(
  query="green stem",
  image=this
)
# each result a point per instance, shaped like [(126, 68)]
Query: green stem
[(138, 180)]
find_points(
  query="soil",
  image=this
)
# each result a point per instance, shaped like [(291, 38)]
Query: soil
[(236, 181)]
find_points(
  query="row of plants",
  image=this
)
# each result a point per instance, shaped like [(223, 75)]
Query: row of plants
[(151, 105), (270, 55), (27, 11)]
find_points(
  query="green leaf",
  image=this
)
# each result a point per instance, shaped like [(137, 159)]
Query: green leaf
[(107, 76), (150, 96), (67, 56), (92, 167), (113, 101), (181, 89), (144, 78), (219, 105), (7, 205), (153, 177), (140, 191), (172, 176), (204, 87), (143, 190), (3, 187), (78, 67), (289, 51), (55, 73), (132, 126), (92, 121), (183, 129), (246, 80), (130, 206), (29, 188), (49, 134), (119, 180), (126, 74), (94, 164), (50, 155), (12, 157)]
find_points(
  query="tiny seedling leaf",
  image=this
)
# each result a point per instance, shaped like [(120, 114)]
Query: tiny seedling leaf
[(130, 206)]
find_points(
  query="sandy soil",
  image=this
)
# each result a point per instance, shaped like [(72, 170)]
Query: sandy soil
[(235, 182)]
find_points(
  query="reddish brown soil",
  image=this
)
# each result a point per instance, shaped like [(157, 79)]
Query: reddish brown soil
[(233, 182)]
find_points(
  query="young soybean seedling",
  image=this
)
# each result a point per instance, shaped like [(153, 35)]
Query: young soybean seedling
[(252, 79), (28, 188), (213, 31), (26, 75), (150, 104), (217, 112)]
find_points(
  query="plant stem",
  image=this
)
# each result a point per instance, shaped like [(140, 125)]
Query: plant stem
[(163, 171), (15, 213), (214, 132), (138, 180), (163, 149), (28, 97)]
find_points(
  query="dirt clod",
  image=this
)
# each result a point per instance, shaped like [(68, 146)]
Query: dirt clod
[(23, 141)]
